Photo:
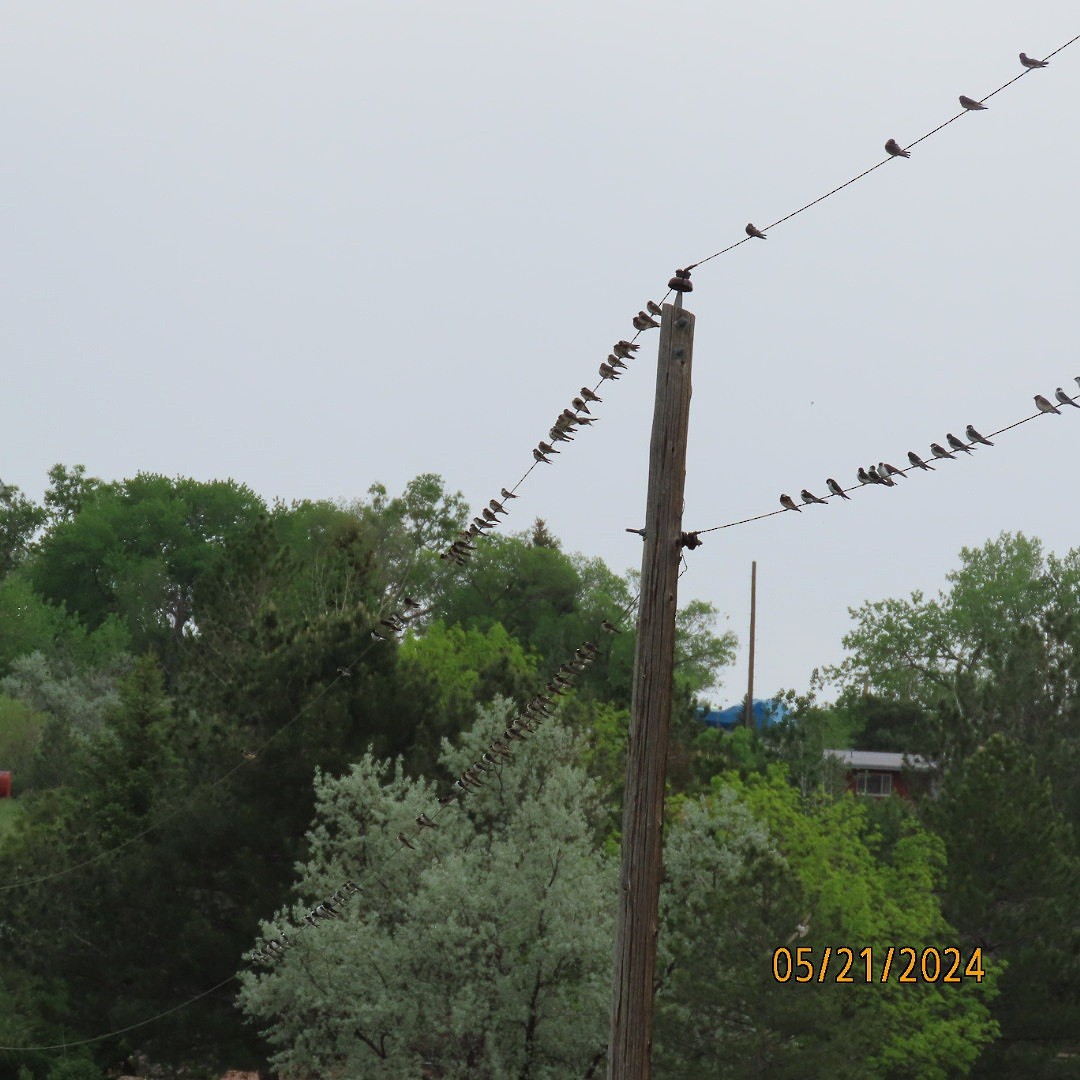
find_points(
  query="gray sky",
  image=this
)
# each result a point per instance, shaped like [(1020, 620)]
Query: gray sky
[(314, 246)]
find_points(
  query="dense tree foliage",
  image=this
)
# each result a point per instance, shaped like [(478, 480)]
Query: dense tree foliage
[(204, 731)]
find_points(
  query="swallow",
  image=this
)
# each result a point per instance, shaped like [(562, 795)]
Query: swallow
[(426, 823), (624, 350), (971, 104), (876, 477), (250, 755), (609, 627), (580, 406), (788, 503), (802, 928), (586, 420), (310, 919), (975, 437), (461, 786), (557, 434), (351, 887), (446, 800), (836, 489), (1064, 398), (608, 372), (323, 911), (808, 498), (753, 230), (644, 321), (1029, 63), (507, 494), (497, 507), (588, 395), (512, 733), (896, 150), (405, 840), (958, 444), (344, 672), (1045, 406), (412, 604), (885, 469), (501, 749), (654, 308), (918, 462), (339, 898), (864, 477), (489, 515), (616, 363), (940, 451)]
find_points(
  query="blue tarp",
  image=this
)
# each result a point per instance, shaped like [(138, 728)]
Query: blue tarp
[(766, 713)]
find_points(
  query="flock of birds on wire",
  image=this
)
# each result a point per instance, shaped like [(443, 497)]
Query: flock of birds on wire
[(538, 709), (883, 472)]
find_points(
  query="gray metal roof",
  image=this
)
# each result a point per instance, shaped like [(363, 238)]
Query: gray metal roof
[(876, 759)]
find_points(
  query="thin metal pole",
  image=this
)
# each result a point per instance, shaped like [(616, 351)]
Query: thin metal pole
[(654, 665), (753, 628)]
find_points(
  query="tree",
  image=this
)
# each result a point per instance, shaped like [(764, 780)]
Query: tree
[(1014, 875), (748, 864), (484, 953), (20, 519)]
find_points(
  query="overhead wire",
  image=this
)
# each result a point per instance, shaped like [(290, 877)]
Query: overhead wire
[(859, 486), (872, 168)]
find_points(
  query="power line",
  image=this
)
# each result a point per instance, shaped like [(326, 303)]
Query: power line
[(867, 172), (859, 486)]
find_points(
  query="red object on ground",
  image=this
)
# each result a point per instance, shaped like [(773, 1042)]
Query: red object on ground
[(5, 785)]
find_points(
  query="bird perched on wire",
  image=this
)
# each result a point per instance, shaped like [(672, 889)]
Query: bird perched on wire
[(644, 321), (588, 395), (654, 308), (809, 498), (788, 503), (876, 477), (918, 461), (1029, 63), (1065, 399), (957, 444), (539, 456), (939, 451), (974, 436), (836, 489), (896, 150), (1045, 406), (580, 406), (802, 928), (887, 470), (971, 104), (753, 230), (507, 494), (610, 627), (405, 840), (546, 449), (560, 434), (622, 349), (615, 362), (864, 477), (608, 372)]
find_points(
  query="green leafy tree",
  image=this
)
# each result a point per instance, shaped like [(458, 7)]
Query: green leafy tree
[(20, 519), (1014, 876), (745, 866), (486, 952)]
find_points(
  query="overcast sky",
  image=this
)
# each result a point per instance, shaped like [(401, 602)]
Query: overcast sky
[(315, 246)]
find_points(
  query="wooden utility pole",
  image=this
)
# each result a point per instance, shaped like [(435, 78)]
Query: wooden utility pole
[(654, 666), (753, 627)]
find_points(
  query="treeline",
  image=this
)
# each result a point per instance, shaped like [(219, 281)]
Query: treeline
[(206, 740)]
